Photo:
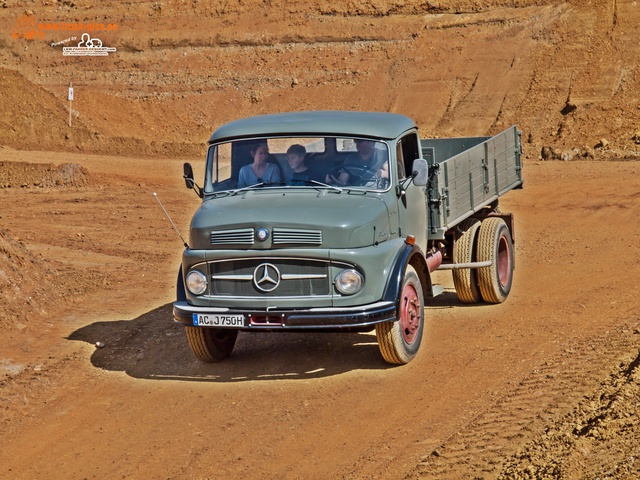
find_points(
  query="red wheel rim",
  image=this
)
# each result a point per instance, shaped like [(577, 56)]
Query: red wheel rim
[(504, 261), (409, 314)]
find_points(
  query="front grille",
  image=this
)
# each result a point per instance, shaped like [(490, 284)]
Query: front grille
[(296, 277), (240, 236), (296, 236)]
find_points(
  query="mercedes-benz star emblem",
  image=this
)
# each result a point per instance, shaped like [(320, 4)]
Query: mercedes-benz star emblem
[(266, 277), (262, 234)]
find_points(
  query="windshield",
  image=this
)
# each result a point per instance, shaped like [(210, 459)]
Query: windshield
[(336, 162)]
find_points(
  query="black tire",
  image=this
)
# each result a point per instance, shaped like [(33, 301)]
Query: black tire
[(464, 251), (495, 244), (211, 344), (399, 340)]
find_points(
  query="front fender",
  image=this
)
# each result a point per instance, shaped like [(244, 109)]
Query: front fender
[(407, 255)]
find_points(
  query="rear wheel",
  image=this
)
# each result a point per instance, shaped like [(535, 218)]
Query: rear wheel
[(465, 279), (399, 341), (211, 344), (495, 244)]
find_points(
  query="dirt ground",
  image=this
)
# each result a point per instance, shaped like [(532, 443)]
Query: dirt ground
[(546, 385)]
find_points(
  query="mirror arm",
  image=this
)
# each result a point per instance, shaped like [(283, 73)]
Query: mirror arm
[(401, 189), (193, 185)]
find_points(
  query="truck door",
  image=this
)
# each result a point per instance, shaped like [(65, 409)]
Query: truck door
[(412, 205)]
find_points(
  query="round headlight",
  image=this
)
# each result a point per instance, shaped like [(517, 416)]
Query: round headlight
[(349, 282), (196, 282)]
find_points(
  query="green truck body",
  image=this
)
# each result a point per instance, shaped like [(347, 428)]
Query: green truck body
[(350, 243)]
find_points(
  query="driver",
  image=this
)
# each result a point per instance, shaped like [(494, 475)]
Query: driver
[(367, 159)]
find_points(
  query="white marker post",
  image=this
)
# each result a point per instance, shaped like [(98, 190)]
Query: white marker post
[(70, 101)]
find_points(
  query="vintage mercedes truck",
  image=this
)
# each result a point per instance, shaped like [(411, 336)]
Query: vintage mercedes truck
[(331, 221)]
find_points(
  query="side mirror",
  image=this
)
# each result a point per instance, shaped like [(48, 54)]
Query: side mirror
[(188, 176), (188, 180), (420, 172)]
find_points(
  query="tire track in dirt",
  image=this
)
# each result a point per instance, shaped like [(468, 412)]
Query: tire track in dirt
[(597, 439), (549, 390)]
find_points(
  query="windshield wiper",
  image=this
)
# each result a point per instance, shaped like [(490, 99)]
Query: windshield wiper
[(315, 182), (221, 193), (249, 187)]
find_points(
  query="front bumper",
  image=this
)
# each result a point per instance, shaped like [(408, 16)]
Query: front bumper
[(320, 319)]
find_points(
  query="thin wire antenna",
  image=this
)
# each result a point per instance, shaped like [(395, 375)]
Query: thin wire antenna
[(169, 217)]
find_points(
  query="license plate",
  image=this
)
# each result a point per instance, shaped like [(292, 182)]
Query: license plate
[(215, 320)]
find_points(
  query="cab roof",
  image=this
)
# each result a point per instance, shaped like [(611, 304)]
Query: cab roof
[(322, 123)]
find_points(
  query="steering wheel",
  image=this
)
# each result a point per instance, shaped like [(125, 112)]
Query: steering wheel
[(360, 175)]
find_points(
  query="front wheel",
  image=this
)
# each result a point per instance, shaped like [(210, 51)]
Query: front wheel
[(211, 344), (399, 341)]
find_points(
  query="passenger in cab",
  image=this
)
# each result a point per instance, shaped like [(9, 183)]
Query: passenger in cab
[(260, 171), (300, 172)]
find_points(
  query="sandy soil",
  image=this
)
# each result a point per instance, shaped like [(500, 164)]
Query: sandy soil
[(481, 399), (543, 386)]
